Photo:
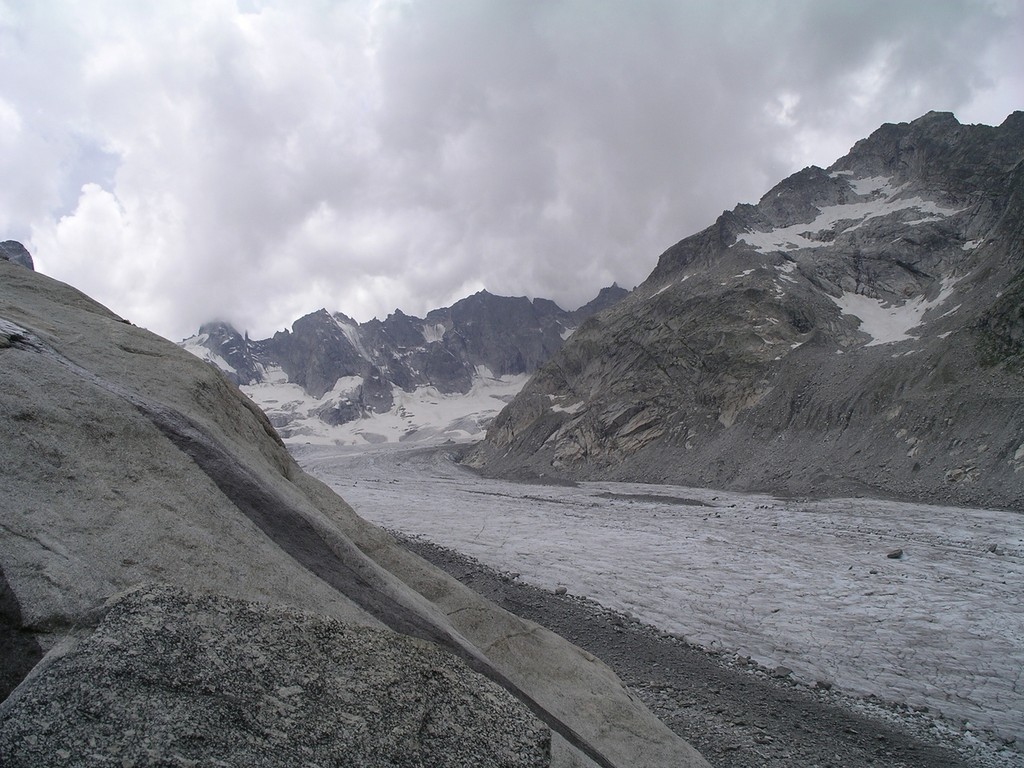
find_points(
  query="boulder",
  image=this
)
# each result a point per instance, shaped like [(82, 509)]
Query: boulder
[(16, 253), (173, 673), (129, 461)]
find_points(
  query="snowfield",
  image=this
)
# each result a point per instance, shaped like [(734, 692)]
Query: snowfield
[(886, 323), (885, 200), (812, 586), (424, 415)]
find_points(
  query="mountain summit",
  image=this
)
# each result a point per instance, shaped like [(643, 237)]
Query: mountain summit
[(388, 379), (859, 330)]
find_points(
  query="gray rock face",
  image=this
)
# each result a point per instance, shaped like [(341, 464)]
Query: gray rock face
[(366, 361), (217, 681), (237, 351), (16, 253), (859, 330), (128, 461)]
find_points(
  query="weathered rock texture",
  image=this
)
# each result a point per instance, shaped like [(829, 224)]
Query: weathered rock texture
[(16, 253), (361, 365), (128, 461), (859, 330), (175, 676)]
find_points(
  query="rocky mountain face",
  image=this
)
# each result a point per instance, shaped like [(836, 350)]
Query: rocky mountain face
[(860, 330), (175, 589), (16, 253), (349, 371)]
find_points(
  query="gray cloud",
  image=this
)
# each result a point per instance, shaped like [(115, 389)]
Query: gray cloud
[(256, 161)]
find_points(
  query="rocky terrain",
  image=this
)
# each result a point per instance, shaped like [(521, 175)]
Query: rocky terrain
[(262, 685), (159, 541), (329, 370), (857, 331)]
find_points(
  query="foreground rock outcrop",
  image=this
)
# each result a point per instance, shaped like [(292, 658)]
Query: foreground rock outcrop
[(858, 331), (198, 678), (129, 462)]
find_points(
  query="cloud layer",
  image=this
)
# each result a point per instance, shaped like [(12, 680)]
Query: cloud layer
[(253, 161)]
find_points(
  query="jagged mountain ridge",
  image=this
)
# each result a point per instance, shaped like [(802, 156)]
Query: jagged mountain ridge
[(343, 371), (858, 330)]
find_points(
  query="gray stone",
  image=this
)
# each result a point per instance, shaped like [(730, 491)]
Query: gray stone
[(170, 675), (16, 253)]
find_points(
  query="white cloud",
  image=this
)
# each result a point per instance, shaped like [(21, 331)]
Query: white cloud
[(254, 161)]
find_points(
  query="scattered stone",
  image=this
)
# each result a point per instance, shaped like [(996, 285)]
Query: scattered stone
[(895, 554), (561, 590)]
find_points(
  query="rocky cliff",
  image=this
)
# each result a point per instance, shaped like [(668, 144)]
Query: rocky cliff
[(173, 588), (341, 371), (857, 331)]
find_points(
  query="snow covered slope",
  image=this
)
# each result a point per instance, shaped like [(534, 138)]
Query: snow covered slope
[(425, 414)]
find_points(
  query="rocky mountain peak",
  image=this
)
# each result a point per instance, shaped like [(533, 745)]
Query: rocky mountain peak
[(221, 344), (16, 253), (852, 330), (345, 371)]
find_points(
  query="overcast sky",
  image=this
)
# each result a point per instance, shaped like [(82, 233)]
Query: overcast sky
[(255, 160)]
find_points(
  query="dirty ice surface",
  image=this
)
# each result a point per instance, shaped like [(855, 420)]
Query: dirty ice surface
[(803, 584)]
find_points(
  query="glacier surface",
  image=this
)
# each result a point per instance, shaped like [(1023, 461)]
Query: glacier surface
[(808, 585)]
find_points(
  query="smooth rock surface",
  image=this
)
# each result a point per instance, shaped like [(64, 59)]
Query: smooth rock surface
[(129, 461)]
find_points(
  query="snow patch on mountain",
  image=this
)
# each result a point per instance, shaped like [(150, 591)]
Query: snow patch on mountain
[(195, 345), (432, 333), (871, 185), (885, 323), (424, 415), (351, 332), (885, 201), (557, 407)]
